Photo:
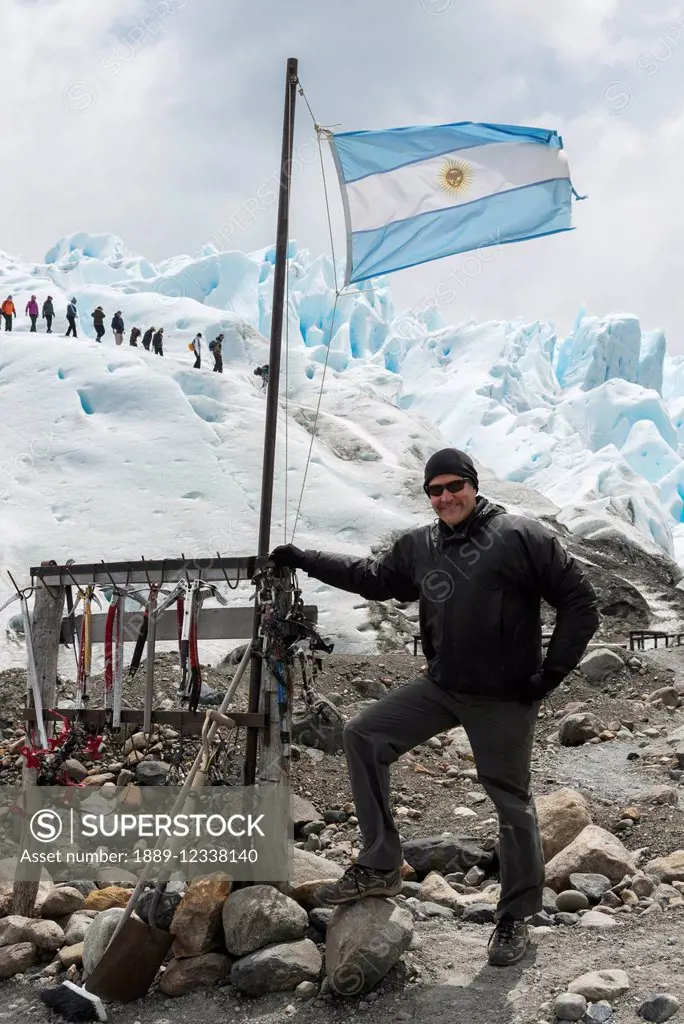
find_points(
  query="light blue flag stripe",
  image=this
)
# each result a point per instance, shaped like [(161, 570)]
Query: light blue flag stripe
[(512, 216), (359, 154)]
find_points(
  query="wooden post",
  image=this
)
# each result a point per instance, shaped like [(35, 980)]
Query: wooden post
[(151, 638), (46, 629), (277, 311)]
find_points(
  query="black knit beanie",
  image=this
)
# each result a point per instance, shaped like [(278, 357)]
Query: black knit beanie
[(450, 460)]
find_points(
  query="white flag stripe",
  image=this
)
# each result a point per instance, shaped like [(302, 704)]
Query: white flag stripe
[(381, 199)]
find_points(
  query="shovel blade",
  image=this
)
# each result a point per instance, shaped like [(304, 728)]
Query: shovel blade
[(130, 964)]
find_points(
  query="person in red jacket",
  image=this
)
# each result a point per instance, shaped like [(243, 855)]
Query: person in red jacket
[(32, 310), (8, 311)]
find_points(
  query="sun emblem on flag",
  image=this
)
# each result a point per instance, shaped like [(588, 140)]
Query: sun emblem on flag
[(455, 177)]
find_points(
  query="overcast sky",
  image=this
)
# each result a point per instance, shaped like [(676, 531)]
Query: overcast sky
[(160, 121)]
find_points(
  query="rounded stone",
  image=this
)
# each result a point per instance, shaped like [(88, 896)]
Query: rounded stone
[(571, 900), (569, 1006), (659, 1008)]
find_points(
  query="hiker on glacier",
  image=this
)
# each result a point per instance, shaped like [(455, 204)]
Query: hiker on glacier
[(158, 342), (8, 311), (32, 310), (118, 328), (147, 338), (216, 349), (98, 322), (197, 350), (71, 318), (48, 314), (262, 371), (479, 574)]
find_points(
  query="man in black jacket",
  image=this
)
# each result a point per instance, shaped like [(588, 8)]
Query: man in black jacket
[(48, 313), (98, 322), (479, 574)]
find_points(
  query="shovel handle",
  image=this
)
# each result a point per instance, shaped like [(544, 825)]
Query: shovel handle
[(194, 780)]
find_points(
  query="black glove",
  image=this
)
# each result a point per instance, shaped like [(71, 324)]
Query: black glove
[(540, 685), (289, 555)]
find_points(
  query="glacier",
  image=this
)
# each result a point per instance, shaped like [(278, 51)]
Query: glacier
[(112, 453)]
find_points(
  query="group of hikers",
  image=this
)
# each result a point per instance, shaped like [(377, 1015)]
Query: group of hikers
[(153, 338), (32, 311), (216, 349)]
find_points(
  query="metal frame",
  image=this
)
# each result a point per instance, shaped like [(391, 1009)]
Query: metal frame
[(190, 721), (214, 624), (168, 570), (638, 638)]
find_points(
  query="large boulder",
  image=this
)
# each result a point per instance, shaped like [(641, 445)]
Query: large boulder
[(193, 972), (364, 941), (303, 811), (17, 958), (13, 929), (278, 968), (98, 937), (599, 664), (320, 726), (667, 695), (593, 851), (435, 889), (196, 923), (104, 899), (261, 916), (605, 984), (573, 730), (308, 871), (45, 934), (152, 773), (596, 919), (667, 869), (562, 816), (449, 853), (71, 956), (656, 795), (75, 929), (60, 901), (593, 886)]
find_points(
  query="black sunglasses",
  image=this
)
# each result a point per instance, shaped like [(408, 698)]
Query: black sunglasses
[(453, 487)]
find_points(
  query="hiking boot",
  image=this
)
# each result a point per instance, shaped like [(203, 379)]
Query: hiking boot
[(358, 882), (508, 942)]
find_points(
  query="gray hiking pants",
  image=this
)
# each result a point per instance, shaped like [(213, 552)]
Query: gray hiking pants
[(501, 735)]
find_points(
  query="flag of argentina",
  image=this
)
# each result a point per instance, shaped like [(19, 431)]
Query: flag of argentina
[(417, 194)]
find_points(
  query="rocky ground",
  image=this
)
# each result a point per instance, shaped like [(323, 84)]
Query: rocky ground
[(601, 757)]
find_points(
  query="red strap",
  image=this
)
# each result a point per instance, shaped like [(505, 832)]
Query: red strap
[(109, 636), (180, 612)]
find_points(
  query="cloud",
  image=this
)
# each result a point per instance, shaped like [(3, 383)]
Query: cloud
[(160, 121)]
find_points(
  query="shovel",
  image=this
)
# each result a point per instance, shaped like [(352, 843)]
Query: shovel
[(137, 950)]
